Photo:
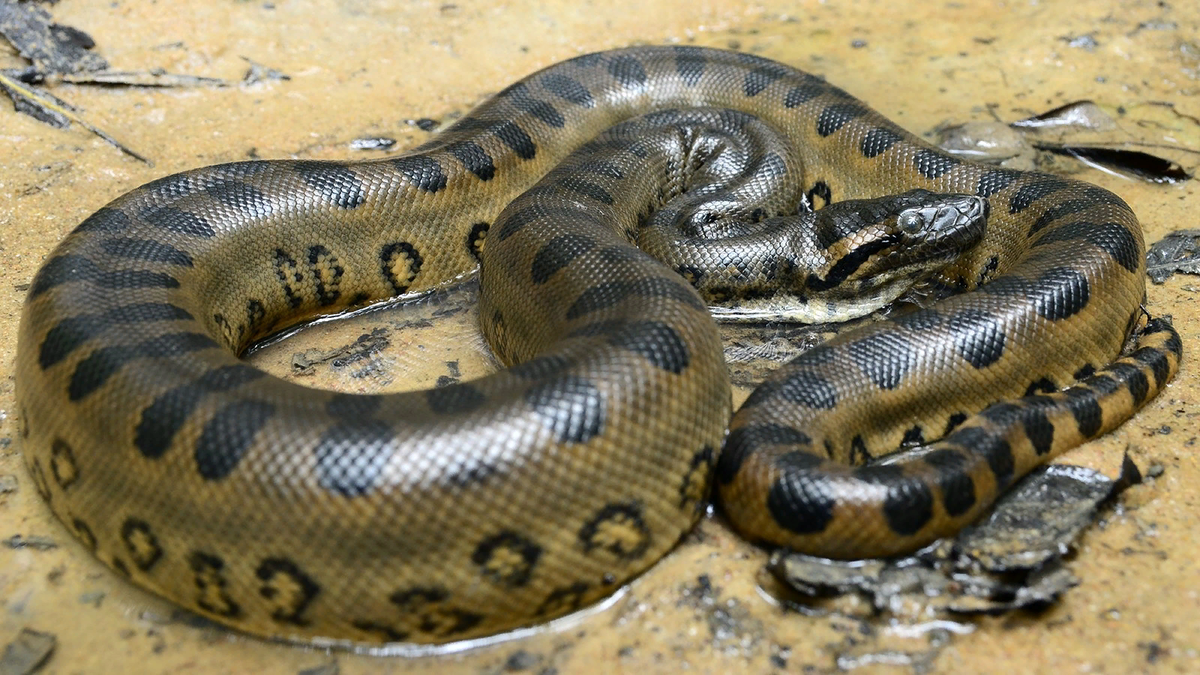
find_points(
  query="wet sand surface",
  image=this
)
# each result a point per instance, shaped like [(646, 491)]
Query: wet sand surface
[(363, 69)]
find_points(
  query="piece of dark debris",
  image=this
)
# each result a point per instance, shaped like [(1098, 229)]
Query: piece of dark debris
[(1179, 251), (1014, 558), (424, 123), (28, 652), (50, 46), (33, 541), (257, 72)]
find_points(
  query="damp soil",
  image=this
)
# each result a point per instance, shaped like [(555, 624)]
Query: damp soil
[(365, 78)]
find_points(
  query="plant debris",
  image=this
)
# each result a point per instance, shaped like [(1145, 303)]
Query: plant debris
[(27, 653), (1179, 251)]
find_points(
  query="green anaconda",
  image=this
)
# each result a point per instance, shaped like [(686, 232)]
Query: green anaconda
[(473, 508)]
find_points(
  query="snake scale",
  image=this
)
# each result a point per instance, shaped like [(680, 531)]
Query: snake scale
[(465, 510)]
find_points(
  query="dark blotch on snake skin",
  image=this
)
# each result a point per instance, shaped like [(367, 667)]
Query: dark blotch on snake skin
[(288, 588), (885, 357), (978, 337), (67, 336), (474, 158), (395, 252), (953, 479), (690, 64), (349, 408), (877, 141), (70, 268), (351, 456), (744, 441), (516, 139), (914, 436), (803, 93), (587, 189), (607, 294), (507, 559), (1031, 192), (541, 367), (454, 399), (658, 342), (994, 181), (146, 250), (1041, 386), (92, 372), (141, 543), (209, 575), (85, 534), (571, 407), (107, 219), (760, 78), (798, 503), (619, 529), (1156, 361), (908, 505), (1086, 409), (1134, 379), (807, 388), (567, 598), (836, 115), (163, 418), (569, 89), (337, 184), (1113, 238), (421, 171), (992, 446), (628, 71), (933, 164), (520, 98), (62, 464), (228, 435), (244, 197)]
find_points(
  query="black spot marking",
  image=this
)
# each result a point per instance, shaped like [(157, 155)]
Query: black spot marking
[(563, 600), (885, 357), (859, 454), (800, 502), (422, 171), (62, 464), (178, 221), (400, 263), (85, 534), (1086, 409), (209, 576), (877, 141), (908, 505), (474, 158), (1041, 386), (1084, 372), (291, 277), (146, 250), (628, 71), (518, 94), (163, 418), (694, 487), (106, 219), (978, 337), (744, 441), (571, 407), (836, 115), (289, 590), (913, 437), (1157, 362), (516, 139), (608, 294), (1029, 193), (454, 399), (228, 435), (242, 196), (507, 559), (351, 456), (933, 164), (1038, 429), (568, 89), (690, 64), (803, 93), (141, 543), (587, 189), (619, 529), (327, 273), (953, 479), (807, 388), (1134, 379), (541, 367), (93, 372), (1113, 238), (760, 78), (119, 565), (68, 268), (994, 181), (1061, 292), (992, 446), (659, 343), (954, 421), (337, 184), (475, 240)]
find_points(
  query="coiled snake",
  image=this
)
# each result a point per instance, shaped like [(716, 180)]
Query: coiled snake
[(473, 508)]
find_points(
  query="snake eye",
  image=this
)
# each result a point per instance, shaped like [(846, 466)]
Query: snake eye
[(910, 222)]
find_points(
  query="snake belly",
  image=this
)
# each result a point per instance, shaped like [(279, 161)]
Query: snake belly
[(470, 509)]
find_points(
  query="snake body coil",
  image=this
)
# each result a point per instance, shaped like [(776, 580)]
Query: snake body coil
[(469, 509)]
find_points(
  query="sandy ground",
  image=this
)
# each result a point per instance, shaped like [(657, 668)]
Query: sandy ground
[(362, 68)]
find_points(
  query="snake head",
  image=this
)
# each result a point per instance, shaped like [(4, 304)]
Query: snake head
[(879, 248)]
